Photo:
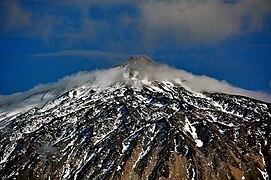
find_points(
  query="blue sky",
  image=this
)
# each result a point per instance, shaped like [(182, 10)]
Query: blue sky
[(42, 40)]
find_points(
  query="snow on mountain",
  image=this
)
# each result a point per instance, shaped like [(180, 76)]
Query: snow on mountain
[(21, 102), (139, 120)]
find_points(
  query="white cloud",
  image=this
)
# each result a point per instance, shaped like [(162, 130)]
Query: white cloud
[(82, 53), (202, 20), (198, 83), (40, 94), (36, 97)]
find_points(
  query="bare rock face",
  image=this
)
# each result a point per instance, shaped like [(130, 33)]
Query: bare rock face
[(154, 130)]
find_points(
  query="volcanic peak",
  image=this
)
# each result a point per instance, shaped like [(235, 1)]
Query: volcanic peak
[(138, 60)]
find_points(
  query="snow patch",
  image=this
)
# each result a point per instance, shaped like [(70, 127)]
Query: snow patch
[(188, 127)]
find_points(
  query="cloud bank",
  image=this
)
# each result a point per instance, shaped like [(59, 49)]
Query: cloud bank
[(196, 83), (197, 21), (203, 20), (39, 95)]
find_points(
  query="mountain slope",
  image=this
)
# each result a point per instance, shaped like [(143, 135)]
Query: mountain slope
[(139, 128)]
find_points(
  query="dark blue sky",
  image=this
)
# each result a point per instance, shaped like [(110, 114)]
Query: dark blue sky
[(41, 41)]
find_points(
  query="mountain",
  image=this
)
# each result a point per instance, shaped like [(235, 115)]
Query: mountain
[(125, 123)]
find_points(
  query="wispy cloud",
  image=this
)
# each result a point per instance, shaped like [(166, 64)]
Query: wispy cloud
[(81, 53), (86, 3), (14, 15)]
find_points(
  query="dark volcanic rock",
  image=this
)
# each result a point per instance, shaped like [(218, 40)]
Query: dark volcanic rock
[(158, 130)]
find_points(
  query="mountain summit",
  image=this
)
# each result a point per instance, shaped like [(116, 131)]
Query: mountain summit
[(138, 59), (130, 123)]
